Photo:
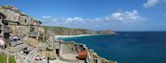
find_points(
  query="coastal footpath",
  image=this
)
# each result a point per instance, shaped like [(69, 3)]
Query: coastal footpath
[(24, 40)]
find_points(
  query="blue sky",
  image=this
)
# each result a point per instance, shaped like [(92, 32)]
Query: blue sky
[(117, 15)]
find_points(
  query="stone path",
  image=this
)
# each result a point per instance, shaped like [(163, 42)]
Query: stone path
[(61, 61)]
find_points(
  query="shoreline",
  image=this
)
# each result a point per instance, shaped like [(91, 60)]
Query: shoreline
[(99, 58), (72, 36)]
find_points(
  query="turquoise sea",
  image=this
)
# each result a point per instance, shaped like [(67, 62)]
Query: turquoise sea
[(128, 47)]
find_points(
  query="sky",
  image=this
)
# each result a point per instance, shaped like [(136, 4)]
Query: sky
[(116, 15)]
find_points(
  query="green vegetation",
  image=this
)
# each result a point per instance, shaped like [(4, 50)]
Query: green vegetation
[(3, 59), (68, 31), (49, 49), (12, 59), (74, 31)]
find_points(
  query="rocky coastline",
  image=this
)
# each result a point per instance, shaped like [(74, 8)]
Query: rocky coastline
[(23, 38), (74, 31)]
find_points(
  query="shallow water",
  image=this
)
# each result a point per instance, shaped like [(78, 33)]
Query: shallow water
[(128, 47)]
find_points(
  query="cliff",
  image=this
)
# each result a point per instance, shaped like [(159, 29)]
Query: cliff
[(15, 16), (74, 31)]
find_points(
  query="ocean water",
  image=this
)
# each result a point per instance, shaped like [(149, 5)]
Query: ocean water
[(128, 47)]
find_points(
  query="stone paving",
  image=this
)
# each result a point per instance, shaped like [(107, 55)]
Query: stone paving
[(67, 53)]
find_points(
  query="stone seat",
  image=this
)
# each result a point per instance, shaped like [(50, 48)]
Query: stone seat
[(18, 48)]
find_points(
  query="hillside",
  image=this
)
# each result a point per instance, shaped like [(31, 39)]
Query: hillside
[(74, 31)]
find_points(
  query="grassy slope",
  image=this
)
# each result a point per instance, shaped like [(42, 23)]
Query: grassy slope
[(74, 31), (3, 59), (12, 60), (68, 31)]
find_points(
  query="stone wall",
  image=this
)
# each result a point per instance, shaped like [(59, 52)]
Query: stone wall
[(19, 30), (25, 20)]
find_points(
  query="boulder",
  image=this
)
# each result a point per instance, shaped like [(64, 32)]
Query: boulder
[(11, 15)]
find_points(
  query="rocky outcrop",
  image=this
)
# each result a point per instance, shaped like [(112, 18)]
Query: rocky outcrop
[(12, 14)]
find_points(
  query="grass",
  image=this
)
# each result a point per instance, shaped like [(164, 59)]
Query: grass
[(12, 59), (49, 49), (3, 59)]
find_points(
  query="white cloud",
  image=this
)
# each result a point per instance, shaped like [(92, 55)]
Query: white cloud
[(74, 19), (129, 17), (46, 17), (150, 3)]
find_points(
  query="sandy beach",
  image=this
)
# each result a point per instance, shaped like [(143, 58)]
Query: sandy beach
[(70, 36)]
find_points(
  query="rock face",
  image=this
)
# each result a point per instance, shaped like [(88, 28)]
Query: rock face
[(25, 20), (11, 13)]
